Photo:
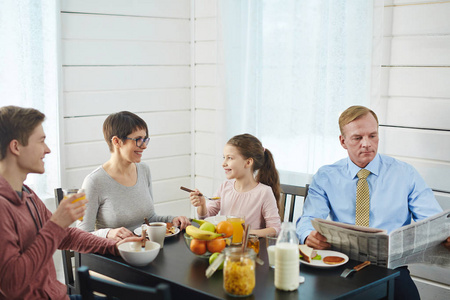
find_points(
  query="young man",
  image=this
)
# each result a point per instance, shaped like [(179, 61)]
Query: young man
[(30, 233), (397, 192)]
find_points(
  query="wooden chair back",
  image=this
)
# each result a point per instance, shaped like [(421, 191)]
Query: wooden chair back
[(114, 290), (291, 192), (67, 255)]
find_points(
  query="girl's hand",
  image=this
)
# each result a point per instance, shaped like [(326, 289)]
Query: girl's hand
[(197, 200), (182, 222), (119, 234)]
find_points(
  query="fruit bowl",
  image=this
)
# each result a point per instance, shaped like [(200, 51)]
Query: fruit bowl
[(204, 249)]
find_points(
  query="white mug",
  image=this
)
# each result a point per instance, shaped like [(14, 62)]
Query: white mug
[(157, 232)]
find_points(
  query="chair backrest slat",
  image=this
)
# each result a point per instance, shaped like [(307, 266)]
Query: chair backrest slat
[(294, 192)]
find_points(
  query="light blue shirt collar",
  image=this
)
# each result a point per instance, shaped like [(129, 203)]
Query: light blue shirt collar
[(373, 166)]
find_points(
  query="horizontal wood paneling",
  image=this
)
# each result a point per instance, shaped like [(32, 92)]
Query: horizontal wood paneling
[(90, 128), (206, 29), (120, 78), (206, 120), (95, 153), (101, 27), (205, 52), (138, 53), (205, 75), (206, 98), (107, 102), (151, 8), (204, 165), (170, 189), (205, 8), (421, 19), (174, 208), (419, 82), (414, 143), (417, 51), (205, 143), (418, 112)]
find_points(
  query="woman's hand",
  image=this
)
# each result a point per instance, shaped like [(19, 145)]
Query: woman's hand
[(182, 222), (119, 234), (197, 200)]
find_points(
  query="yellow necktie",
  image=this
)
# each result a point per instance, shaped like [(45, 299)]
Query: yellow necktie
[(362, 199)]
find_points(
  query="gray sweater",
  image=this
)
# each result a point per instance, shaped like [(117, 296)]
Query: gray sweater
[(112, 205)]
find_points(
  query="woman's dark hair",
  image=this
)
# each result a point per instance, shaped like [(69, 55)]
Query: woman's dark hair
[(263, 162), (122, 124)]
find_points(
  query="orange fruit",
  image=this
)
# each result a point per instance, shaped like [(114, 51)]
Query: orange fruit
[(225, 227), (216, 245), (198, 246)]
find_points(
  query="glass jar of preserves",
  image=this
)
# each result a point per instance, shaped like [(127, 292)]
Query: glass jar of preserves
[(239, 271)]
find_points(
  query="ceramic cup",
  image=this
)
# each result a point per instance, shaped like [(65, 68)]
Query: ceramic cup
[(157, 232)]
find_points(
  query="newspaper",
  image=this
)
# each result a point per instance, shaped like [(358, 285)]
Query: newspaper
[(420, 242)]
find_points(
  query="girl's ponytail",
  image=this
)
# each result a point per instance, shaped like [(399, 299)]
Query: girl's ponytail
[(268, 175)]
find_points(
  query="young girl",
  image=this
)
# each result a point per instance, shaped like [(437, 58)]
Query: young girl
[(242, 193)]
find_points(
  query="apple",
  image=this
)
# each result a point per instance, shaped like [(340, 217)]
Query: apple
[(208, 227), (213, 258)]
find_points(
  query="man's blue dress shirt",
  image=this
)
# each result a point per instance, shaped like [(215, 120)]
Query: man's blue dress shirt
[(397, 193)]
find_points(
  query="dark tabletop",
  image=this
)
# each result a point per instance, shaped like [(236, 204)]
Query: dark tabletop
[(185, 273)]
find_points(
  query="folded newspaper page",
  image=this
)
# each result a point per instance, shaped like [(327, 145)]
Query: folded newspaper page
[(419, 242)]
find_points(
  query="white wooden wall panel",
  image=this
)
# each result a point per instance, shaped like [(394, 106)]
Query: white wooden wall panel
[(206, 98), (153, 8), (166, 190), (174, 208), (418, 112), (204, 165), (443, 199), (107, 102), (106, 53), (205, 120), (206, 29), (170, 167), (205, 8), (160, 123), (110, 27), (205, 75), (205, 185), (205, 52), (425, 144), (419, 82), (419, 51), (120, 78), (205, 143), (421, 19)]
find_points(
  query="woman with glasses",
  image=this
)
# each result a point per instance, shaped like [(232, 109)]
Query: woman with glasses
[(120, 191)]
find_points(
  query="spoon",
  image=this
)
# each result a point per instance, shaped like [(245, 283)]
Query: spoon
[(190, 191)]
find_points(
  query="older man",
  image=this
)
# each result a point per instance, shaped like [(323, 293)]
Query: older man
[(367, 189)]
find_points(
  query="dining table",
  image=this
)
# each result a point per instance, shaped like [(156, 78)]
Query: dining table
[(185, 274)]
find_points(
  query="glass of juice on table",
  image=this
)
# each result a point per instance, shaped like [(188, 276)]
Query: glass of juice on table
[(70, 192), (238, 229)]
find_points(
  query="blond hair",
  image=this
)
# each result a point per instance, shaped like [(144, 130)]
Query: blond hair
[(353, 113)]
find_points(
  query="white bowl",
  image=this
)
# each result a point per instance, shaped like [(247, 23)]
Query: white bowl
[(133, 253)]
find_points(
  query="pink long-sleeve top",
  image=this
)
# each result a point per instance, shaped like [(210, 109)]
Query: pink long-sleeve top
[(257, 205)]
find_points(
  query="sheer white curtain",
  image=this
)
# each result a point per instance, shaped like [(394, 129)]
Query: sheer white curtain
[(290, 68), (29, 73)]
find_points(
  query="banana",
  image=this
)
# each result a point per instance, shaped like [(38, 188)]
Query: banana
[(200, 234), (199, 222)]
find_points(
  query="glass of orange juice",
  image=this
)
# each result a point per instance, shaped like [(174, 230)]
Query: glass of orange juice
[(70, 192), (238, 229)]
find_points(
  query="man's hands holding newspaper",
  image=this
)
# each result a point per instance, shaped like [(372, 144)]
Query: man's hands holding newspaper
[(317, 241)]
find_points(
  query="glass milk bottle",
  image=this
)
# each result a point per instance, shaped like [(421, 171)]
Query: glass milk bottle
[(287, 268)]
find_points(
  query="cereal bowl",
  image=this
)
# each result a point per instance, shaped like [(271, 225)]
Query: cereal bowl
[(135, 255), (204, 249)]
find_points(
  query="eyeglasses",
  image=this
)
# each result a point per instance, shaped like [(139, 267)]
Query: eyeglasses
[(139, 141)]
